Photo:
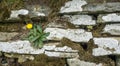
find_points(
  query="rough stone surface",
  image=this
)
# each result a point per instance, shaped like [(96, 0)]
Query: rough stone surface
[(50, 49), (113, 29), (102, 7), (105, 18), (76, 35), (4, 36), (77, 62), (61, 54), (81, 19), (21, 47), (58, 49), (83, 6), (38, 10), (73, 6), (15, 13), (106, 46), (31, 11)]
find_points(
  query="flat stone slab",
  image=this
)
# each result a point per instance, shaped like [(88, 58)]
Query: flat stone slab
[(113, 29), (15, 14), (73, 6), (106, 18), (61, 54), (83, 6), (21, 47), (102, 7), (81, 19), (106, 46), (76, 35), (50, 49), (77, 62), (4, 36), (59, 49)]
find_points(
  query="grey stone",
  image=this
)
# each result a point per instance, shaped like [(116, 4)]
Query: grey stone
[(61, 54), (38, 10), (83, 6), (73, 6), (81, 19), (24, 47), (106, 18), (4, 36), (21, 47), (76, 35), (106, 46), (113, 29), (77, 62), (102, 7), (15, 13), (58, 49)]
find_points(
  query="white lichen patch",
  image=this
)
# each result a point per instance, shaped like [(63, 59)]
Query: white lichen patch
[(113, 29), (81, 19), (76, 35), (111, 18), (106, 46), (73, 6), (78, 62)]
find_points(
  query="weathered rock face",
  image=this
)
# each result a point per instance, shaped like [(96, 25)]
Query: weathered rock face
[(15, 13), (24, 47), (113, 29), (102, 7), (71, 24), (105, 18), (81, 19), (73, 6), (106, 46), (76, 35), (83, 6)]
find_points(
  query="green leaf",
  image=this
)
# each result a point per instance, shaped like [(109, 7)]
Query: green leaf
[(30, 38), (39, 28), (40, 44), (35, 38), (46, 34)]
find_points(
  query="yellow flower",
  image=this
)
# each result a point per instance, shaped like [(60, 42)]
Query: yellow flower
[(29, 26)]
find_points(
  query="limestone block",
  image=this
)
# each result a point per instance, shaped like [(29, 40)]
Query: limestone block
[(76, 35), (102, 7), (106, 18), (58, 49), (73, 6), (77, 62), (113, 29), (106, 46), (15, 13), (21, 47), (61, 54), (81, 19), (83, 6)]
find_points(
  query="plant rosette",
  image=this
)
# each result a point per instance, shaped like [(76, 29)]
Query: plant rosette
[(36, 35)]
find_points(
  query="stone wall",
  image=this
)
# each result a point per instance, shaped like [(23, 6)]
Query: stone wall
[(82, 33)]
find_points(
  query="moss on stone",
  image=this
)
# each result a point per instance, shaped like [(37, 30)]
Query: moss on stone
[(43, 60)]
